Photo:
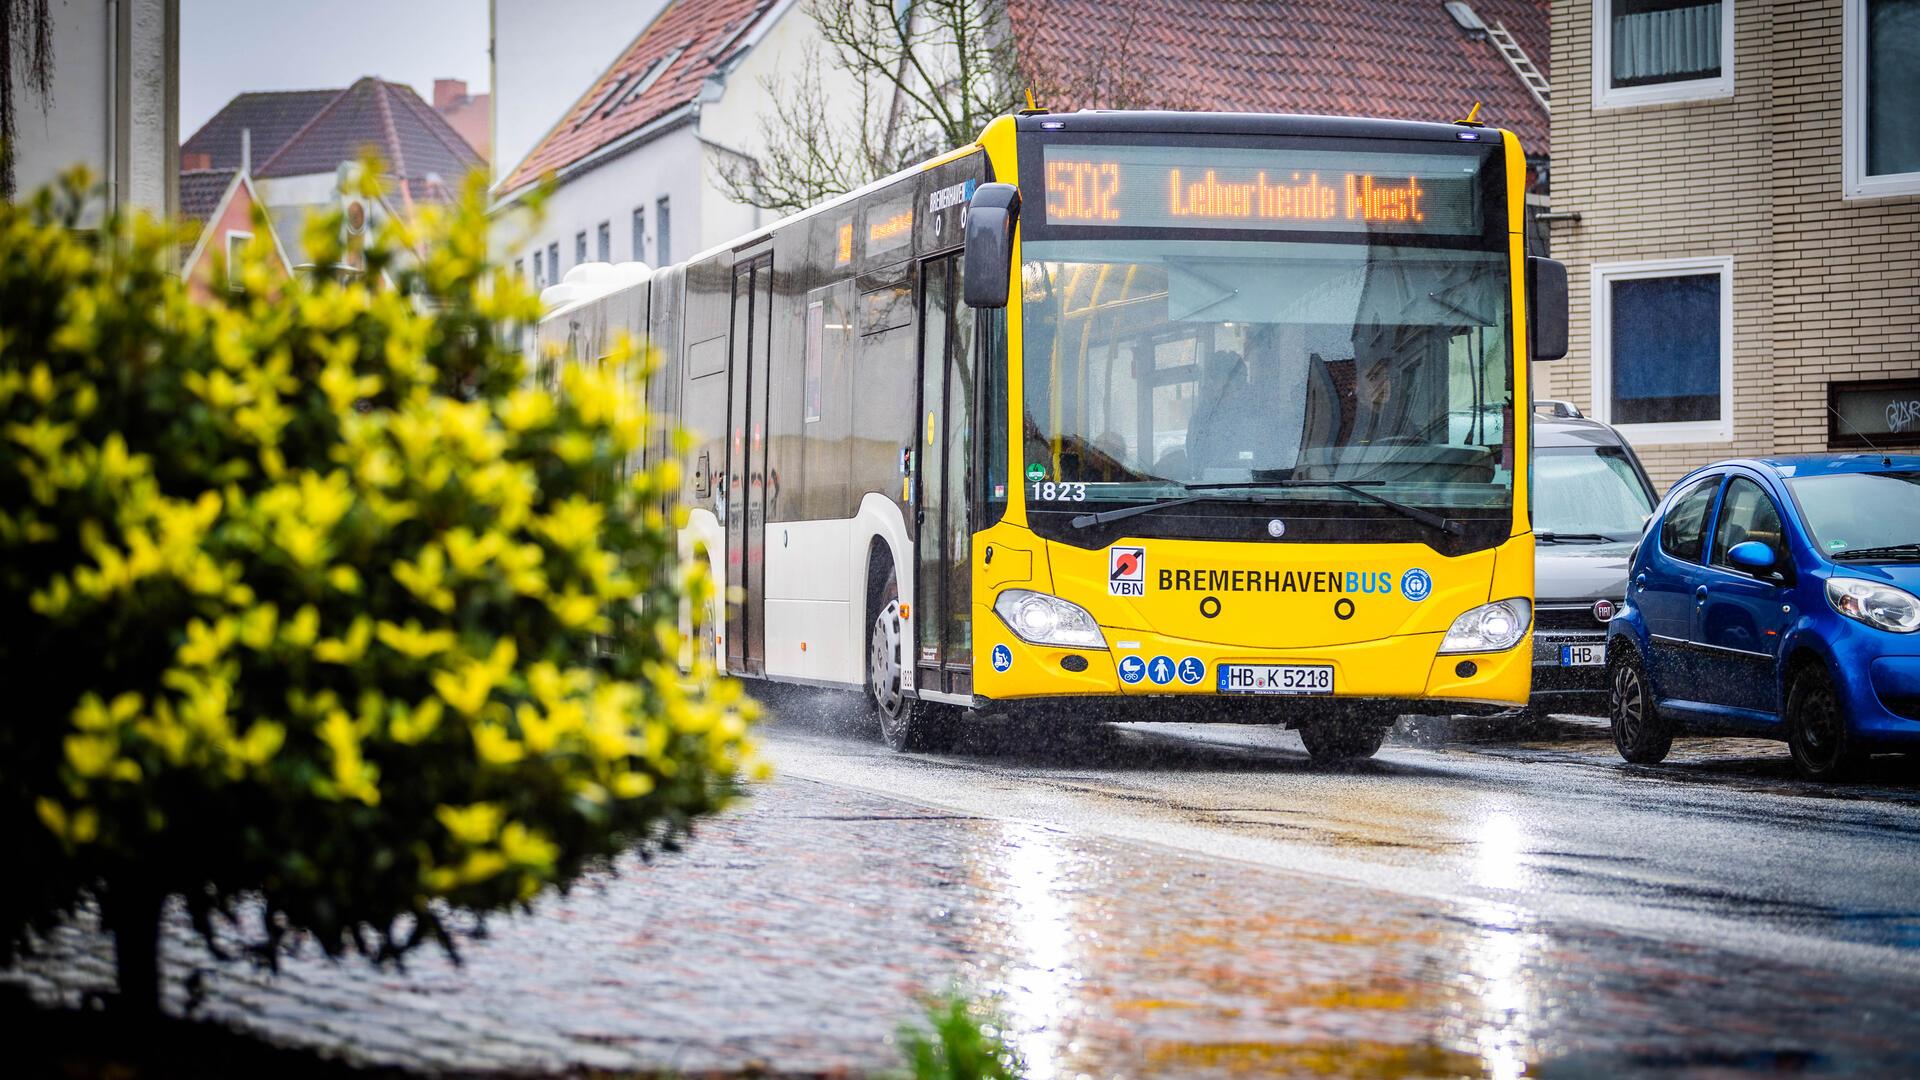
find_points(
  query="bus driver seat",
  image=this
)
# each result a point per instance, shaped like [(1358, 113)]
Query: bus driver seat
[(1225, 429)]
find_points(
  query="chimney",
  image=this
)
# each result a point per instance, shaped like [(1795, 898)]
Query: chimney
[(190, 162), (246, 151), (448, 92)]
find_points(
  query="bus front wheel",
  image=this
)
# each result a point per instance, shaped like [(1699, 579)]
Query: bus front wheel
[(1330, 741), (906, 722)]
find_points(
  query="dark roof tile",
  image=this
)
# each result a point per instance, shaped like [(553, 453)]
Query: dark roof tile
[(414, 141), (272, 117), (200, 191)]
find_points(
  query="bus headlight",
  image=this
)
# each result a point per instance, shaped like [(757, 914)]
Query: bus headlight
[(1039, 619), (1880, 606), (1494, 627)]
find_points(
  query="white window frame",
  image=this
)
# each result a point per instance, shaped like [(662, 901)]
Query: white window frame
[(233, 280), (1690, 431), (1855, 183), (1608, 96)]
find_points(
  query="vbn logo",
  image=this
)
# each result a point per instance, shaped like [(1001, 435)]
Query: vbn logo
[(1127, 571)]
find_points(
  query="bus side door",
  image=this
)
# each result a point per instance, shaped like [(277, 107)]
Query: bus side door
[(943, 582), (745, 495)]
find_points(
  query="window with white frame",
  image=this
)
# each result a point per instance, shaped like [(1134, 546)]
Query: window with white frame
[(1881, 113), (603, 241), (1650, 52), (1663, 349), (236, 257)]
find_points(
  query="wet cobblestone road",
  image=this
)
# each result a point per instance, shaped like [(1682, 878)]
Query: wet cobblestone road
[(798, 932)]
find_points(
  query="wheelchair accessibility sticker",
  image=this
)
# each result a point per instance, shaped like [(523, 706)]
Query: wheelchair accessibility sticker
[(1002, 658)]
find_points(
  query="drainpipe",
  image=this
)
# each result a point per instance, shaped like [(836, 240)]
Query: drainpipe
[(113, 104)]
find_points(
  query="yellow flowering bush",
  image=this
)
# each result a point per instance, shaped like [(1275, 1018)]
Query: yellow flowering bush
[(309, 597)]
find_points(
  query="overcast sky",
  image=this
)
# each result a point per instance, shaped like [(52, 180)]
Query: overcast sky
[(228, 47)]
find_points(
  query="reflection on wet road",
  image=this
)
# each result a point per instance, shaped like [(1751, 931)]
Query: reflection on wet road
[(1563, 907)]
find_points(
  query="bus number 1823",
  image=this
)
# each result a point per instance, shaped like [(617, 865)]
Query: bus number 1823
[(1049, 491)]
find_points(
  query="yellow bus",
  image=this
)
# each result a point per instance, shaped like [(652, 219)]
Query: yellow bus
[(1120, 416)]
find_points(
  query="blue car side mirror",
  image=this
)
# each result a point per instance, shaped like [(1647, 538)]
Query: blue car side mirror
[(1751, 555)]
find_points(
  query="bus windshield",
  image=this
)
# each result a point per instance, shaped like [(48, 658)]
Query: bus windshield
[(1158, 369)]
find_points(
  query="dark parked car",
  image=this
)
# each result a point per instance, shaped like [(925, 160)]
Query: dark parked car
[(1591, 499), (1776, 598)]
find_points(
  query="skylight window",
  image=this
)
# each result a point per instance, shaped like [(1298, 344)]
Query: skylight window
[(604, 98), (647, 78)]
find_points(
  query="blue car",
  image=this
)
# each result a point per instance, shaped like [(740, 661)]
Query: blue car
[(1776, 598)]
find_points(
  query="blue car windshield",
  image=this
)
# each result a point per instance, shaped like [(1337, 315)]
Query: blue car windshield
[(1861, 512)]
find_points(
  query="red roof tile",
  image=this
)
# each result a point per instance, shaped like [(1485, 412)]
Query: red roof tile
[(692, 38), (1398, 59)]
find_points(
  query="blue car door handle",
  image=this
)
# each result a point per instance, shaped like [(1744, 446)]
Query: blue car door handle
[(1640, 582), (1700, 594)]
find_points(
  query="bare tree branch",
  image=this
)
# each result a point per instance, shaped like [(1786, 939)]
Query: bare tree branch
[(886, 89)]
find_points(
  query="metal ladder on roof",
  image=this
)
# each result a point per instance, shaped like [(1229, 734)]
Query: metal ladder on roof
[(1516, 58)]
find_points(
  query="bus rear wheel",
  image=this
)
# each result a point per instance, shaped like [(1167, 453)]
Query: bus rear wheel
[(1355, 739), (905, 722)]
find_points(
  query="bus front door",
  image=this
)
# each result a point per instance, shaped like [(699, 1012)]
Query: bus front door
[(943, 581), (745, 496)]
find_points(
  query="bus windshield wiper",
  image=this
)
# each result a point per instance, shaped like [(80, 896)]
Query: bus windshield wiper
[(1901, 551), (1104, 516), (1548, 536), (1356, 488)]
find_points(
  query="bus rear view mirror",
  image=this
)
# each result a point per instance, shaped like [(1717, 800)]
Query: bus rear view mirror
[(1546, 308), (991, 216)]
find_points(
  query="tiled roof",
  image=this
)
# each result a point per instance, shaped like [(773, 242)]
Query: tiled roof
[(200, 191), (272, 117), (692, 39), (1399, 59), (415, 142)]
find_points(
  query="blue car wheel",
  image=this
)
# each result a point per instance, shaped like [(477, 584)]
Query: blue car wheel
[(1640, 733), (1823, 748)]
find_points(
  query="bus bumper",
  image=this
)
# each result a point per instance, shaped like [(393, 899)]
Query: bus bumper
[(1403, 673)]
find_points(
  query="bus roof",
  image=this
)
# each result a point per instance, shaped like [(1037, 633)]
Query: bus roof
[(1222, 123)]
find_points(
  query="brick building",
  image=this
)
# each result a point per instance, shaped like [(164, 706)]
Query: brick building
[(1745, 259)]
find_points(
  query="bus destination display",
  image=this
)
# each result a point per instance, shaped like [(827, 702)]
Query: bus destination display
[(1242, 188)]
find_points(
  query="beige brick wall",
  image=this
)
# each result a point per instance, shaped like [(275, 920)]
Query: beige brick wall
[(1823, 288), (1846, 287)]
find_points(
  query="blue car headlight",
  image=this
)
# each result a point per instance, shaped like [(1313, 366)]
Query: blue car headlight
[(1880, 606)]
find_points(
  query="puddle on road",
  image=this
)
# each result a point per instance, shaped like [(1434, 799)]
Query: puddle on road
[(1177, 968)]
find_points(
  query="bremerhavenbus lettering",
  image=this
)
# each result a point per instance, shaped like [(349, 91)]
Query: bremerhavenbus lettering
[(1278, 581)]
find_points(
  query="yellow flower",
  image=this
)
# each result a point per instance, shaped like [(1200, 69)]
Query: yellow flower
[(409, 726), (205, 644), (90, 755), (527, 847), (494, 746), (261, 742), (477, 823), (302, 629), (423, 578), (413, 642), (347, 650)]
